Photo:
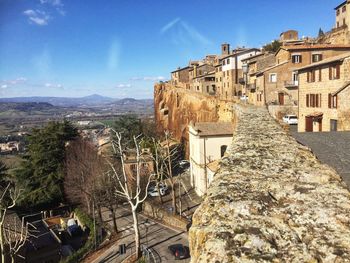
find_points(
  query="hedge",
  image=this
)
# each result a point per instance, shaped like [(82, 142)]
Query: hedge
[(89, 245)]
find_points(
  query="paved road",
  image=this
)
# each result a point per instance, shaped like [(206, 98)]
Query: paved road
[(332, 148), (154, 235)]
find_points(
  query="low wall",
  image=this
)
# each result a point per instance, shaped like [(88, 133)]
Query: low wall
[(278, 111), (271, 201), (158, 213)]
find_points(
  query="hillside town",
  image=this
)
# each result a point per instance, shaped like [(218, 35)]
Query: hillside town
[(246, 159), (301, 80)]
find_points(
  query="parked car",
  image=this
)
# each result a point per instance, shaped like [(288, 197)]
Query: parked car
[(290, 119), (73, 228), (244, 98), (184, 164), (153, 190), (179, 251)]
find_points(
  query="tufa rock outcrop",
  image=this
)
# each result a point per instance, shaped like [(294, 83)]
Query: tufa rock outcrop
[(175, 108), (271, 201)]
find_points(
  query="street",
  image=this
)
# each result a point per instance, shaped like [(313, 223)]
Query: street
[(154, 235)]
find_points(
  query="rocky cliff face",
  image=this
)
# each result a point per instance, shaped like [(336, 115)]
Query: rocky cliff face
[(175, 108), (271, 201)]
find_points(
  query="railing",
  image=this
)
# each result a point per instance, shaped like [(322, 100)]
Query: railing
[(251, 86), (291, 83)]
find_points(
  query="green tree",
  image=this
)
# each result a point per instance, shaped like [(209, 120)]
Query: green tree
[(41, 172), (273, 46), (128, 125), (3, 174)]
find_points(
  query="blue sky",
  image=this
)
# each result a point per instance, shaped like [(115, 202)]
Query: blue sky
[(119, 48)]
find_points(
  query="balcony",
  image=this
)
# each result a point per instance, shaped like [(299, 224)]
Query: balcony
[(291, 84), (251, 86)]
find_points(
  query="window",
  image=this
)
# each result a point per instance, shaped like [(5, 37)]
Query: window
[(273, 77), (223, 150), (344, 8), (332, 101), (313, 100), (224, 62), (338, 12), (316, 58), (228, 61), (311, 76), (296, 59), (334, 72), (344, 22)]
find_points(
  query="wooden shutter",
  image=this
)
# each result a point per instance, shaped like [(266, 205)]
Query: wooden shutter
[(330, 72), (329, 100), (335, 101), (320, 95), (308, 76), (316, 102), (319, 75), (300, 58), (337, 69), (307, 100)]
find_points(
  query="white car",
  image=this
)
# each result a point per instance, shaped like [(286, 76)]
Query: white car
[(153, 190), (244, 98), (290, 119)]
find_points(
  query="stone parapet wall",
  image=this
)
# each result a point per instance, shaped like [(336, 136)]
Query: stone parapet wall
[(271, 201)]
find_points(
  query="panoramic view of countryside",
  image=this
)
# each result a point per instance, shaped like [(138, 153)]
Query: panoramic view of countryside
[(174, 131)]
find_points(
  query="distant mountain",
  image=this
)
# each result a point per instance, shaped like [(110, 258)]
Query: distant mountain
[(62, 101), (25, 106)]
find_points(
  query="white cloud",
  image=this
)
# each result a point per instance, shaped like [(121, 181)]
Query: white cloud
[(170, 25), (148, 78), (52, 2), (37, 17), (113, 55), (55, 86), (4, 86), (12, 82), (184, 33), (122, 86)]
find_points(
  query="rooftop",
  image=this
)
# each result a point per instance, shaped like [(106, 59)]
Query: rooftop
[(337, 7), (213, 128), (317, 46)]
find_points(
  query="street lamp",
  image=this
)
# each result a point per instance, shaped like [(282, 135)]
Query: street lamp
[(245, 69)]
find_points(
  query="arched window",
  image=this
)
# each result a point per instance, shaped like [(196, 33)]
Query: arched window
[(223, 149)]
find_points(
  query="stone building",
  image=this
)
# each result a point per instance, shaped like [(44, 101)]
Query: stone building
[(208, 142), (255, 64), (199, 74), (324, 95), (280, 81), (342, 15), (205, 83), (228, 71), (180, 77)]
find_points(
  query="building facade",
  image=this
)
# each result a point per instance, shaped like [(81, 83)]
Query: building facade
[(208, 142), (342, 15), (324, 95)]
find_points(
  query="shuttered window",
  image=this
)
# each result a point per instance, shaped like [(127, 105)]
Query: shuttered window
[(307, 100), (329, 100)]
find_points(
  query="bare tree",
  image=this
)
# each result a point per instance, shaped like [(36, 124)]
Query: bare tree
[(168, 158), (83, 167), (13, 236), (131, 189)]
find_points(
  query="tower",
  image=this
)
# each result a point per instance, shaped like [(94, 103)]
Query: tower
[(225, 49)]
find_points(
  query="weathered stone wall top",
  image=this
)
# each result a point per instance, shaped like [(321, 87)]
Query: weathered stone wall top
[(271, 201)]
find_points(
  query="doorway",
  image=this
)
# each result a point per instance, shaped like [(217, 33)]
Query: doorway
[(309, 124)]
